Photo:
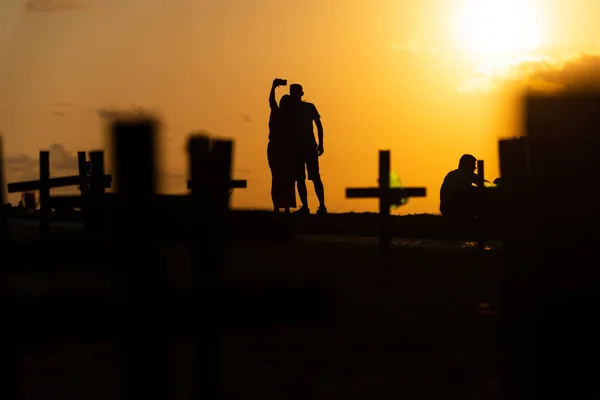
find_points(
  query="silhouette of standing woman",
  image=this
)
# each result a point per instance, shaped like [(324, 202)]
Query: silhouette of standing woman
[(279, 151)]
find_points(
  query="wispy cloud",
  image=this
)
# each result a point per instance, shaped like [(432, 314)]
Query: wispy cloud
[(540, 73), (245, 118), (21, 167), (54, 6), (410, 47), (112, 113)]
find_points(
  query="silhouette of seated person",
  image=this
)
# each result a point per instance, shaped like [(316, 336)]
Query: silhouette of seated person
[(279, 152), (459, 195)]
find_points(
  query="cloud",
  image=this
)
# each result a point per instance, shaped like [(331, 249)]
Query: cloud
[(53, 6), (62, 108), (245, 118), (112, 113), (540, 73), (21, 167), (410, 47)]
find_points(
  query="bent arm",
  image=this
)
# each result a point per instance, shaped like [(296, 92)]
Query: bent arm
[(319, 130)]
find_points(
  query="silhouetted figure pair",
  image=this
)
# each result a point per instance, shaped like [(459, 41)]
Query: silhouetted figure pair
[(459, 196), (293, 152)]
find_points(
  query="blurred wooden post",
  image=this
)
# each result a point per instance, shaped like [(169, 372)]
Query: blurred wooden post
[(549, 288), (8, 359), (3, 211), (513, 162), (384, 201), (144, 342), (83, 172), (483, 206), (210, 171), (96, 208), (44, 192)]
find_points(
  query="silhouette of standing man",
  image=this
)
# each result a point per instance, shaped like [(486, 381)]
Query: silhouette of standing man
[(307, 150)]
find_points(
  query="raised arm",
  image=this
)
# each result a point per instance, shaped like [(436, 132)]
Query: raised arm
[(272, 101)]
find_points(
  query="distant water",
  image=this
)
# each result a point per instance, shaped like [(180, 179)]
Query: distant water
[(341, 239)]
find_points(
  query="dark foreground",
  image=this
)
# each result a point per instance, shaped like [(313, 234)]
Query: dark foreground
[(251, 223), (421, 326)]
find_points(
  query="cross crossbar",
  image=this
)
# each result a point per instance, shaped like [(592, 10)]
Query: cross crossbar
[(62, 181)]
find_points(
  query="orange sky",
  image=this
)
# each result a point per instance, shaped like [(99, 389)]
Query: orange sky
[(384, 74)]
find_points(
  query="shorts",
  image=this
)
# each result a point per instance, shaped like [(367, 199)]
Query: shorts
[(307, 156)]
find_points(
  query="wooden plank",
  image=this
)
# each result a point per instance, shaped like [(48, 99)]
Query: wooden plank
[(62, 181)]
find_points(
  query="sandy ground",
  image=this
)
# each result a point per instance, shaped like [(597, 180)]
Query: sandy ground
[(421, 325)]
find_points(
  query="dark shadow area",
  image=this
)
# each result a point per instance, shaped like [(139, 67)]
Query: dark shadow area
[(137, 294)]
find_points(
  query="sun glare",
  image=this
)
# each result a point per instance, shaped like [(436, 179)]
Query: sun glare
[(496, 28)]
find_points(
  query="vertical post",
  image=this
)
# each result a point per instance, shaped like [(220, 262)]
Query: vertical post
[(221, 175), (384, 201), (3, 211), (9, 379), (95, 217), (480, 174), (482, 204), (210, 170), (144, 343), (44, 192), (82, 166), (83, 172)]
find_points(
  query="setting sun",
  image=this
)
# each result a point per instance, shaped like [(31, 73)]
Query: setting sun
[(499, 27)]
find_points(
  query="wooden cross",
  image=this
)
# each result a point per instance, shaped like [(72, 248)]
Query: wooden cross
[(45, 183), (81, 180), (143, 297), (93, 184), (387, 197)]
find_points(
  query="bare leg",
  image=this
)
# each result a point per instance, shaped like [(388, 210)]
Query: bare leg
[(302, 192), (320, 192)]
